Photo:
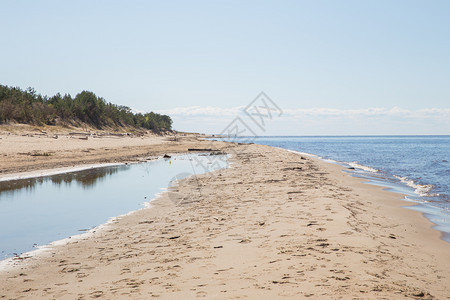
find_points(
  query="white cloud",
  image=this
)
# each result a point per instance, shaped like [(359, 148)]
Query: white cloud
[(202, 111), (318, 121), (214, 111)]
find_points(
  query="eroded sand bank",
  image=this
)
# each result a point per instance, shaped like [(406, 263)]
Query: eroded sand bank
[(273, 225)]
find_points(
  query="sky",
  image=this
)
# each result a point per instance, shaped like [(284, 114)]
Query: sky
[(332, 67)]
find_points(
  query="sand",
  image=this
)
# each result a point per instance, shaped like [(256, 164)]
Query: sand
[(274, 225), (26, 150)]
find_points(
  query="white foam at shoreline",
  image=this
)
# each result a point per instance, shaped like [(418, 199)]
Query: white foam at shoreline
[(298, 152), (356, 165), (422, 190)]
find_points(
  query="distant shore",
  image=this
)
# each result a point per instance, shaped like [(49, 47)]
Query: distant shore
[(276, 224), (27, 149)]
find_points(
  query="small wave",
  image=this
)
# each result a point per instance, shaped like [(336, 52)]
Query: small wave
[(356, 165), (422, 190), (298, 152)]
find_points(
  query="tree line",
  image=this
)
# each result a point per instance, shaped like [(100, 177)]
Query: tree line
[(28, 107)]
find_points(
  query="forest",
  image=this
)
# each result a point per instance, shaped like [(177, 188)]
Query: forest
[(86, 108)]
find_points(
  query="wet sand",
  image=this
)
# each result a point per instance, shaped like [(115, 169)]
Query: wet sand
[(274, 225)]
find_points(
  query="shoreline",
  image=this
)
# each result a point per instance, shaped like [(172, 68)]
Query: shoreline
[(248, 231), (57, 171), (401, 196), (408, 198)]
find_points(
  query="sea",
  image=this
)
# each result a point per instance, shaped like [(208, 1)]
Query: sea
[(416, 166)]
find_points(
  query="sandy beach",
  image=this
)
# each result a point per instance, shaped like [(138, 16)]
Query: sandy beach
[(274, 225), (27, 150)]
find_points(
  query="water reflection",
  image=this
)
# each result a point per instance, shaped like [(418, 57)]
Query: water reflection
[(86, 179)]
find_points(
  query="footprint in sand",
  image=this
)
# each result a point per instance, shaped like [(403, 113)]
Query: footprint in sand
[(201, 294), (96, 294)]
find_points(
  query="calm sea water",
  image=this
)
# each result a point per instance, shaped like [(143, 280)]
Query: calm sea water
[(37, 211), (418, 166)]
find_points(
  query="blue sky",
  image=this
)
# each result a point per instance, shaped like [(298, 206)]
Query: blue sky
[(334, 67)]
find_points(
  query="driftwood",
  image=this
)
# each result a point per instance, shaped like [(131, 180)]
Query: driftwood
[(202, 149), (79, 133), (118, 134)]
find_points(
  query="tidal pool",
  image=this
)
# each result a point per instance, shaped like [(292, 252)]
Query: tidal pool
[(38, 211)]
